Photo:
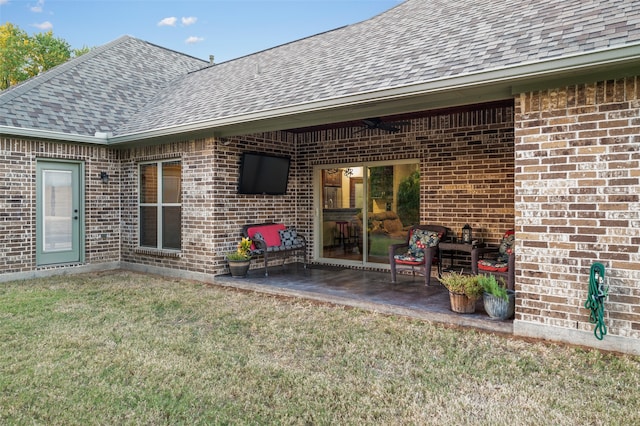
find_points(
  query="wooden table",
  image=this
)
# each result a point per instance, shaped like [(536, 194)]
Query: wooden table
[(452, 248)]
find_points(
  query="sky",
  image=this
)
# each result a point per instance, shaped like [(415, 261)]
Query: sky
[(227, 29)]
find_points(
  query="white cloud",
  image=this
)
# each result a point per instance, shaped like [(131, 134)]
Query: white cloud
[(186, 21), (38, 7), (44, 26), (194, 40), (168, 22), (3, 2)]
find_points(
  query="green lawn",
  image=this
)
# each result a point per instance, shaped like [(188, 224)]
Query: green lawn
[(124, 348)]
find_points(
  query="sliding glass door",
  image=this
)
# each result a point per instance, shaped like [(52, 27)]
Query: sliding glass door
[(366, 208)]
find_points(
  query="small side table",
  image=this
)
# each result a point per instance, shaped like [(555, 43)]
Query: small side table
[(452, 248)]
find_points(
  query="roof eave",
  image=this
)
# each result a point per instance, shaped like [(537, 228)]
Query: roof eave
[(482, 86), (463, 89), (98, 139)]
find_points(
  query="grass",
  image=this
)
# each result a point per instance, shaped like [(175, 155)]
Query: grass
[(124, 348)]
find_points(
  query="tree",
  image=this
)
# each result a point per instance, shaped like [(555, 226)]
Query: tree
[(81, 51), (13, 52), (22, 57), (45, 52)]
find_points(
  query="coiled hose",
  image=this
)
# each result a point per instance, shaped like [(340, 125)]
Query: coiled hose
[(595, 300)]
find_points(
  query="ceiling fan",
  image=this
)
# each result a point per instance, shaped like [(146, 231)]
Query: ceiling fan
[(378, 124)]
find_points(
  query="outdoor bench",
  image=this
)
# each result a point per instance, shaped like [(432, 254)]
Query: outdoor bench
[(268, 239)]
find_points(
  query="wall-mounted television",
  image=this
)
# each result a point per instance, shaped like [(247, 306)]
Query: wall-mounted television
[(263, 174)]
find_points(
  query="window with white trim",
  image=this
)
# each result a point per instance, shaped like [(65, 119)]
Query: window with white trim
[(161, 205)]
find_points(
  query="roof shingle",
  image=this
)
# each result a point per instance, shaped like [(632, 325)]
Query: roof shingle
[(130, 86), (97, 91), (416, 41)]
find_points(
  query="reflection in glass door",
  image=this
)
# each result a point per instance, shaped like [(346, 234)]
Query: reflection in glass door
[(342, 201), (385, 197)]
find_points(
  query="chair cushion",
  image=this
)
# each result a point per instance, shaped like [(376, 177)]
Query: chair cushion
[(419, 240), (493, 265), (407, 259), (501, 263)]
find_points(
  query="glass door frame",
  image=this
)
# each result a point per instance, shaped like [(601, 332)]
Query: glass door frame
[(318, 210)]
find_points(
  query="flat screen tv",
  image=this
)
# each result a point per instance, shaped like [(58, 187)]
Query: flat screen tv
[(263, 174)]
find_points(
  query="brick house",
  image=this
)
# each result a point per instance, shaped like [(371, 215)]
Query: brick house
[(516, 116)]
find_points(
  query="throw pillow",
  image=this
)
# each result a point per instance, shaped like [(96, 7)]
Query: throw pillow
[(421, 239), (269, 233), (288, 237), (506, 246), (257, 236)]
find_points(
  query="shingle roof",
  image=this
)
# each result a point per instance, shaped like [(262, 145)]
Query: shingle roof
[(97, 91), (415, 42)]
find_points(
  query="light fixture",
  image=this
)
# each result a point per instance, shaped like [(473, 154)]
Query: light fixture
[(104, 176), (466, 234)]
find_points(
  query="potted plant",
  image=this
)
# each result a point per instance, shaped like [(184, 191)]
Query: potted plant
[(499, 302), (240, 260), (464, 291)]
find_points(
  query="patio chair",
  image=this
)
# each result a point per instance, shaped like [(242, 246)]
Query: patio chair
[(418, 253), (499, 261)]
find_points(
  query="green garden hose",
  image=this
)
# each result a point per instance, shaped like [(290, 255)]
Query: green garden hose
[(595, 300)]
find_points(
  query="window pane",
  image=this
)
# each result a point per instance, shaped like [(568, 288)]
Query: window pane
[(148, 227), (58, 205), (171, 234), (407, 186), (148, 183), (342, 201), (171, 182)]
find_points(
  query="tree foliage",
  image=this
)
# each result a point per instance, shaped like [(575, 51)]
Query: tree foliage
[(13, 47), (23, 56), (409, 199)]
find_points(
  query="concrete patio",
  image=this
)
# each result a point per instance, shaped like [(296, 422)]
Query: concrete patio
[(368, 290)]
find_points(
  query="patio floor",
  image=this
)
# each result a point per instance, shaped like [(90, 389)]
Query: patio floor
[(367, 290)]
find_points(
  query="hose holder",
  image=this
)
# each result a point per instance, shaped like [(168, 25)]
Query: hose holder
[(595, 300)]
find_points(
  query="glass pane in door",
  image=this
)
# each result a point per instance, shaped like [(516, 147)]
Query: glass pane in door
[(342, 203), (58, 212), (393, 201)]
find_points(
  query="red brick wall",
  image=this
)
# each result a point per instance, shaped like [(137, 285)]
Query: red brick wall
[(466, 165), (212, 211), (18, 201), (467, 175), (577, 201), (466, 162)]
